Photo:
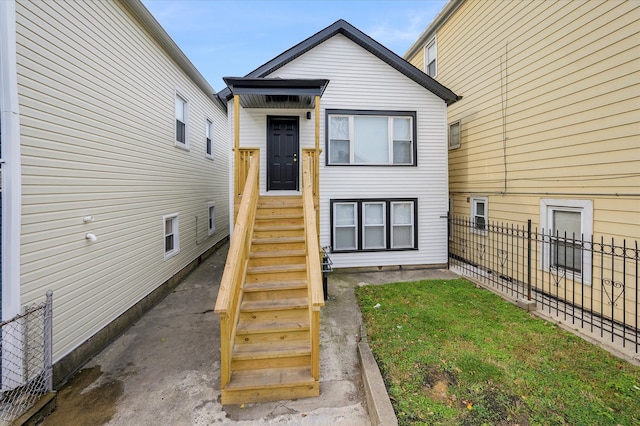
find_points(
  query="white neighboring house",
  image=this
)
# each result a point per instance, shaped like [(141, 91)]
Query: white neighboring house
[(115, 167), (383, 170)]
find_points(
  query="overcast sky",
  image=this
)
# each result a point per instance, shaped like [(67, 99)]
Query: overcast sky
[(226, 38)]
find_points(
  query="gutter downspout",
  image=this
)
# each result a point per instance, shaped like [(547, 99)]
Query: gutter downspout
[(10, 162)]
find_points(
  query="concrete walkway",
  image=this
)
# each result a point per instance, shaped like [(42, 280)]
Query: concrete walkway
[(165, 369)]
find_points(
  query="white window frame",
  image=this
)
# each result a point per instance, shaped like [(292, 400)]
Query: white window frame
[(376, 225), (394, 225), (208, 139), (450, 138), (388, 224), (390, 116), (354, 226), (185, 115), (427, 61), (477, 228), (175, 234), (585, 208), (211, 213)]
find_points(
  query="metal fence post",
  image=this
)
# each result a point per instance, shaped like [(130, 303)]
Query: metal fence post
[(529, 259), (48, 341)]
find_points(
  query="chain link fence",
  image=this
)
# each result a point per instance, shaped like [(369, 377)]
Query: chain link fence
[(25, 359)]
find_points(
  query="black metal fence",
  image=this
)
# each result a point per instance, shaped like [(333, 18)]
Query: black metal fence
[(591, 283)]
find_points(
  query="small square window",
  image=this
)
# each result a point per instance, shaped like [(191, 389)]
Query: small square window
[(454, 135), (212, 218), (171, 237), (208, 142), (479, 207)]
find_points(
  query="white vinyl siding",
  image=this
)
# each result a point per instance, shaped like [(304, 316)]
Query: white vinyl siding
[(97, 118), (353, 73)]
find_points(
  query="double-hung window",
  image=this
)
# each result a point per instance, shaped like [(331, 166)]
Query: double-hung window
[(479, 207), (171, 237), (430, 62), (208, 140), (371, 138), (181, 121), (566, 225), (212, 218), (454, 135), (373, 225)]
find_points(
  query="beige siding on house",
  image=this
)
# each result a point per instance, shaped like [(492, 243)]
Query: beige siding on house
[(97, 100), (550, 108)]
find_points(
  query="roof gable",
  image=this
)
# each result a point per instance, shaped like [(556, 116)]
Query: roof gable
[(352, 33)]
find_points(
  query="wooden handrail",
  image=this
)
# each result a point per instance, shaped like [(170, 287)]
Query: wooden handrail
[(235, 269), (314, 270)]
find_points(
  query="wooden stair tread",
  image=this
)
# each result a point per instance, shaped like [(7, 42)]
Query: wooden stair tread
[(270, 269), (277, 253), (247, 327), (278, 227), (264, 350), (270, 378), (278, 240), (274, 285), (274, 305)]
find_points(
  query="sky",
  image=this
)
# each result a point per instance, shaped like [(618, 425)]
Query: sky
[(225, 38)]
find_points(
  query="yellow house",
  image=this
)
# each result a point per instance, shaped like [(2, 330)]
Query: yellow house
[(547, 130)]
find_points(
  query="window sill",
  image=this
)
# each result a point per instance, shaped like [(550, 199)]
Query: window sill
[(182, 146), (374, 250), (170, 254), (209, 156)]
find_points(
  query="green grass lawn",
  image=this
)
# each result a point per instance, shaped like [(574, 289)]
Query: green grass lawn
[(451, 354)]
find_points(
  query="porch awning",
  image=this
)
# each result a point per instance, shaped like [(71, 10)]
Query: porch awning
[(276, 92)]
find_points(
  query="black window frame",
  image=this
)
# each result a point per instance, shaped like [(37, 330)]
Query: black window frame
[(382, 113), (359, 232)]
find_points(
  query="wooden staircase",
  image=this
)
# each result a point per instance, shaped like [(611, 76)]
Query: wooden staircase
[(272, 350)]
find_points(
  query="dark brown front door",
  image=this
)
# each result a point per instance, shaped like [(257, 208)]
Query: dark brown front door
[(282, 153)]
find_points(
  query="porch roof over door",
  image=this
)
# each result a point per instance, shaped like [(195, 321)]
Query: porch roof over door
[(276, 92)]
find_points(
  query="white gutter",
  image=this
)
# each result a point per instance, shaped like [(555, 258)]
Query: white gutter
[(11, 166), (433, 27)]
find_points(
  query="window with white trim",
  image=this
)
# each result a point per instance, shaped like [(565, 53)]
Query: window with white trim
[(373, 225), (566, 224), (430, 58), (212, 218), (454, 135), (479, 208), (182, 112), (208, 140), (171, 236), (371, 138)]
